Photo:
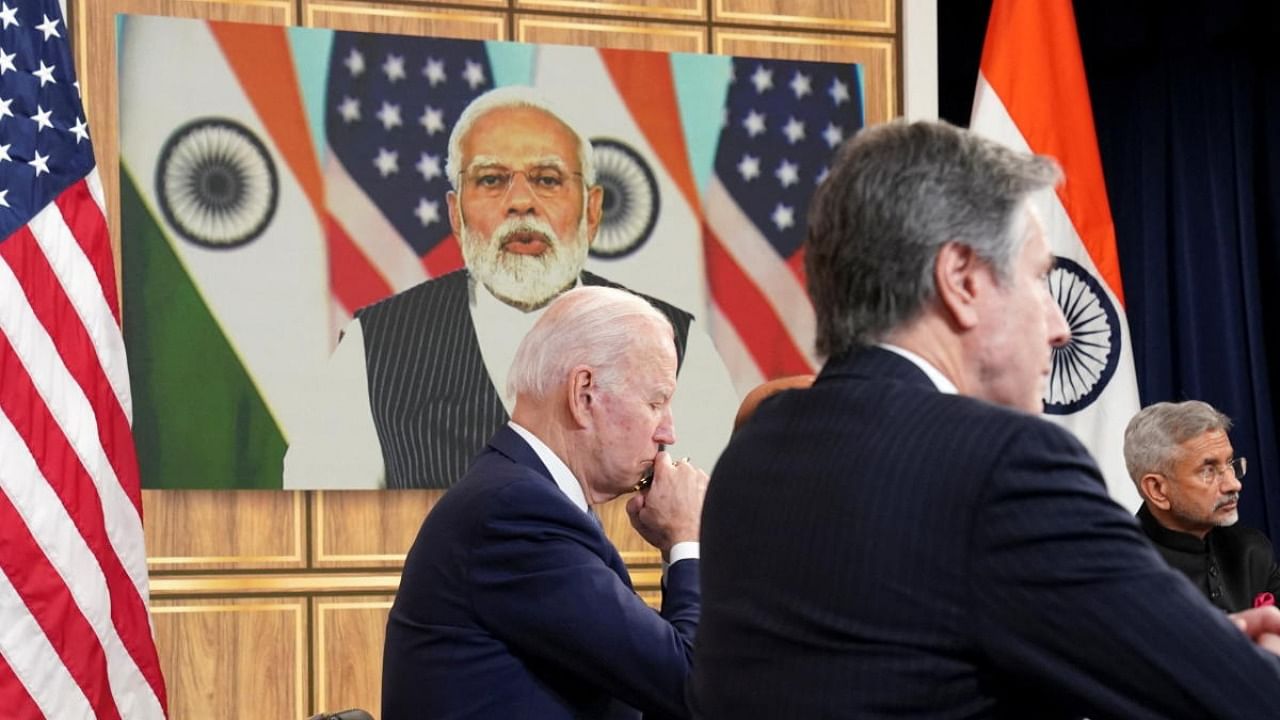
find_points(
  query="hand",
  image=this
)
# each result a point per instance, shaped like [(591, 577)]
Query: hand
[(669, 510), (1262, 625)]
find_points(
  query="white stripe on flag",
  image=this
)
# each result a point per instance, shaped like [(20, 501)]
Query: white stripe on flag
[(758, 260), (34, 661), (742, 367), (54, 531), (76, 418), (82, 288), (368, 228)]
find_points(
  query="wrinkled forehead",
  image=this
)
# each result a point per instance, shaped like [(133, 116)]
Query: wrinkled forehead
[(518, 137)]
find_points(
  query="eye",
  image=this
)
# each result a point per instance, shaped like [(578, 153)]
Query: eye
[(491, 179), (548, 180)]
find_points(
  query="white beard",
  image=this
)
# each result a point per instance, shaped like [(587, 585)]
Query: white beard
[(525, 281)]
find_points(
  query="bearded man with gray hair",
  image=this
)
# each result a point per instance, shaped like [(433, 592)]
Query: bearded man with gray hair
[(1179, 456), (412, 391)]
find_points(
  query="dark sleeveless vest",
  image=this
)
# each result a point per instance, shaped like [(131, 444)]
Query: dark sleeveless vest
[(433, 403)]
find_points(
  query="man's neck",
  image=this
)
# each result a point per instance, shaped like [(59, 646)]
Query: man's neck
[(931, 341)]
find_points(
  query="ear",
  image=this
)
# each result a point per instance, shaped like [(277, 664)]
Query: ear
[(1154, 488), (582, 395), (455, 213), (595, 210), (960, 277)]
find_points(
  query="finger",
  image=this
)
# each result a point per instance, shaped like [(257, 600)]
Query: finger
[(1270, 641)]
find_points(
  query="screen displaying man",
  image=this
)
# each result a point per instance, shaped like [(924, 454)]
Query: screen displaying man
[(1181, 459), (906, 538), (412, 390), (513, 603)]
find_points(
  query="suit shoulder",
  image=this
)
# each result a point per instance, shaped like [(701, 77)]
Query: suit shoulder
[(428, 292)]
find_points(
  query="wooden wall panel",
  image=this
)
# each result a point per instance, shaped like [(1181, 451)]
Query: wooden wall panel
[(857, 15), (668, 9), (347, 635), (244, 529), (611, 34), (404, 19), (372, 528), (878, 57), (233, 658)]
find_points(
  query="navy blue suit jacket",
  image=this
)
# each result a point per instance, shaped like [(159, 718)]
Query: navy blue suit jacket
[(514, 604), (875, 548)]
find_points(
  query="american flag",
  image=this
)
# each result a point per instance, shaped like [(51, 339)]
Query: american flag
[(392, 102), (75, 634), (783, 121)]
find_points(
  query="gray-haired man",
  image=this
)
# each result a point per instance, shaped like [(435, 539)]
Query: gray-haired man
[(1181, 459)]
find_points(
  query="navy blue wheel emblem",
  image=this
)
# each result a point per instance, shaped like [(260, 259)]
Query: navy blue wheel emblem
[(1083, 367), (216, 183), (631, 199)]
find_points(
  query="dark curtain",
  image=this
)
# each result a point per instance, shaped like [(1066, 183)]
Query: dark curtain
[(1186, 100)]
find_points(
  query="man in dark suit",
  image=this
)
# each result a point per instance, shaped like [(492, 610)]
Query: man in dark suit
[(1188, 475), (513, 603), (415, 386), (906, 538)]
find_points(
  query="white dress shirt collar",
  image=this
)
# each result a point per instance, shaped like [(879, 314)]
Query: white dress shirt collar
[(559, 471), (939, 380)]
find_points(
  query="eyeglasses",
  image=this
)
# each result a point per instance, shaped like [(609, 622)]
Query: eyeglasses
[(494, 182), (1210, 474)]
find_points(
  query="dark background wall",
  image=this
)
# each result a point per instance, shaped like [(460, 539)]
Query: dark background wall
[(1186, 100)]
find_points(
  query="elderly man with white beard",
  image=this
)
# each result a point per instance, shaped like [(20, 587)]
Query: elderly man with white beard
[(412, 391)]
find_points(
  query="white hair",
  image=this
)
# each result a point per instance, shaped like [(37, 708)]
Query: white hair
[(513, 96), (594, 326)]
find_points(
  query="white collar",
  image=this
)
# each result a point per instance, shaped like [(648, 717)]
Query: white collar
[(939, 380), (560, 472)]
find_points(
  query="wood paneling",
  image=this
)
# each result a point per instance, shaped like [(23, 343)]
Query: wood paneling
[(857, 15), (405, 19), (95, 45), (611, 34), (367, 528), (347, 640), (677, 9), (878, 57), (233, 658), (200, 529)]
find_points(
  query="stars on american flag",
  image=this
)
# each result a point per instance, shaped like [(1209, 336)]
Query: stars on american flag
[(762, 79), (429, 166), (474, 75), (428, 211), (389, 115), (45, 73), (49, 27), (6, 62), (432, 120), (8, 15), (393, 68), (433, 71), (349, 109), (355, 62), (41, 118), (387, 162), (783, 122)]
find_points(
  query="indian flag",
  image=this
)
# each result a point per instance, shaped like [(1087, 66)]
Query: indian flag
[(226, 296), (1032, 96)]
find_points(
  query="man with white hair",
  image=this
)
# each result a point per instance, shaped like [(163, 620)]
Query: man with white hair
[(513, 603), (1179, 456), (412, 389)]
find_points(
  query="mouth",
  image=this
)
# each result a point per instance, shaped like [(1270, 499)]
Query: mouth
[(525, 243)]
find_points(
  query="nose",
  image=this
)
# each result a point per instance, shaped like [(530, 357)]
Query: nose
[(1232, 482), (520, 196), (665, 433), (1059, 331)]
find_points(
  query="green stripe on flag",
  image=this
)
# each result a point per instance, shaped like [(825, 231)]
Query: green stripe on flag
[(186, 378)]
